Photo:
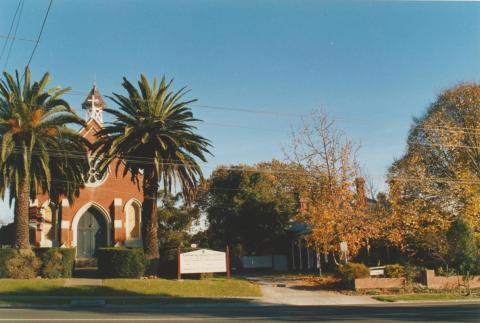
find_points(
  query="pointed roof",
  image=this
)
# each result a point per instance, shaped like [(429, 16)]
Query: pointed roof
[(94, 99)]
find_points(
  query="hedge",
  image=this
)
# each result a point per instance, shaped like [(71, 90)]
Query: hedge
[(121, 262), (5, 255), (56, 262), (351, 271), (394, 271), (48, 263)]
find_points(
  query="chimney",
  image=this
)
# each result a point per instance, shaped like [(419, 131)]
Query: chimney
[(360, 187)]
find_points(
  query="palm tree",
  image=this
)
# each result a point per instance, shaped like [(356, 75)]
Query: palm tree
[(153, 135), (33, 132)]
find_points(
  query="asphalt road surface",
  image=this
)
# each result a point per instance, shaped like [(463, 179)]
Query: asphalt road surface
[(438, 312)]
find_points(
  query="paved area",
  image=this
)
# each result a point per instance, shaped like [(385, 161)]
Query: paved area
[(231, 313), (73, 282), (288, 295)]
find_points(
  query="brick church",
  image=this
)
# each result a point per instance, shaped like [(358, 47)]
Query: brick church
[(107, 212)]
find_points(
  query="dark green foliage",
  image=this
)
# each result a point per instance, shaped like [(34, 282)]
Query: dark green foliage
[(5, 255), (121, 262), (351, 271), (249, 206), (7, 235), (462, 247), (175, 218), (394, 271), (56, 262)]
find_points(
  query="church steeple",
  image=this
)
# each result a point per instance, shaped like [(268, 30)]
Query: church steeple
[(94, 105)]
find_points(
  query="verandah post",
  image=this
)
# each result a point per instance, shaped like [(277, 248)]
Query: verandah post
[(228, 262), (179, 274)]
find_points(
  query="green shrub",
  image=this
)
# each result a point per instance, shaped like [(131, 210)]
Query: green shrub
[(413, 274), (462, 247), (56, 262), (23, 264), (121, 262), (5, 255), (394, 271), (351, 271)]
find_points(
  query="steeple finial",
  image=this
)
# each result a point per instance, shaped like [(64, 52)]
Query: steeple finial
[(94, 105)]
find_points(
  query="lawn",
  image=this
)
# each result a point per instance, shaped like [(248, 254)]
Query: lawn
[(185, 288), (208, 288), (424, 297)]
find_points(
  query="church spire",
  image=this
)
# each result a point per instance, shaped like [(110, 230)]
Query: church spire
[(94, 105)]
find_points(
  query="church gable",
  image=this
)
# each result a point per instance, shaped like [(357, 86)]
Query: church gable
[(111, 204)]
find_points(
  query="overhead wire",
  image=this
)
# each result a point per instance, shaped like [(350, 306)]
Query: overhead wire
[(39, 35), (14, 34), (10, 30), (17, 38)]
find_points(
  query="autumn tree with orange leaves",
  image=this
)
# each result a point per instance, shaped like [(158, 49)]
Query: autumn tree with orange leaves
[(328, 186), (438, 178)]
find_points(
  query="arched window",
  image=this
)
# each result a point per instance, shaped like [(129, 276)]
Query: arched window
[(133, 219)]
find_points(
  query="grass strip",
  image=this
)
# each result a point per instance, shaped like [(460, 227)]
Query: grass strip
[(423, 297)]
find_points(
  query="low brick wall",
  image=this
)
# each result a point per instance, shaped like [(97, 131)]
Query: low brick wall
[(379, 283), (441, 282)]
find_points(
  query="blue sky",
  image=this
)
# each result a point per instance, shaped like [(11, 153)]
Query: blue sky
[(371, 64)]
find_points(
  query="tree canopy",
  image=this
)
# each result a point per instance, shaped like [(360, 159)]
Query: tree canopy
[(249, 207), (437, 179)]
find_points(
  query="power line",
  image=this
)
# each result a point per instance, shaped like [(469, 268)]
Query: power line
[(39, 34), (10, 30), (260, 170), (17, 38), (14, 34), (233, 109)]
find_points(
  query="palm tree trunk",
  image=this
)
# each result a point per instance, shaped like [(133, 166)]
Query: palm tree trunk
[(21, 214), (150, 223)]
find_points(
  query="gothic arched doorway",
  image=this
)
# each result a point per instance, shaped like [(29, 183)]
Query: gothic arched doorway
[(91, 233)]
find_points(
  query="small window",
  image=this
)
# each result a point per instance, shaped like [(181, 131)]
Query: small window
[(132, 211)]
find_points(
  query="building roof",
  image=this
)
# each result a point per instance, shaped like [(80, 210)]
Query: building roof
[(94, 99)]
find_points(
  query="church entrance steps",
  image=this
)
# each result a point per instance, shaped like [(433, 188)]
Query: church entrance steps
[(74, 282)]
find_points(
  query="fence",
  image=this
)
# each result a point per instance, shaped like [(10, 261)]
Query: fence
[(275, 262)]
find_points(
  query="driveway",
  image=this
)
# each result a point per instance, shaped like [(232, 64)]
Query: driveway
[(288, 292)]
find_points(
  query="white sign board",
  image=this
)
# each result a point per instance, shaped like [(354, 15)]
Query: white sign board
[(377, 271), (203, 261)]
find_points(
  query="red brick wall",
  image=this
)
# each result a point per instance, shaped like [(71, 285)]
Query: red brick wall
[(441, 282), (379, 283)]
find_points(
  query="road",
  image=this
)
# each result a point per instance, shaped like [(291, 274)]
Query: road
[(438, 312)]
